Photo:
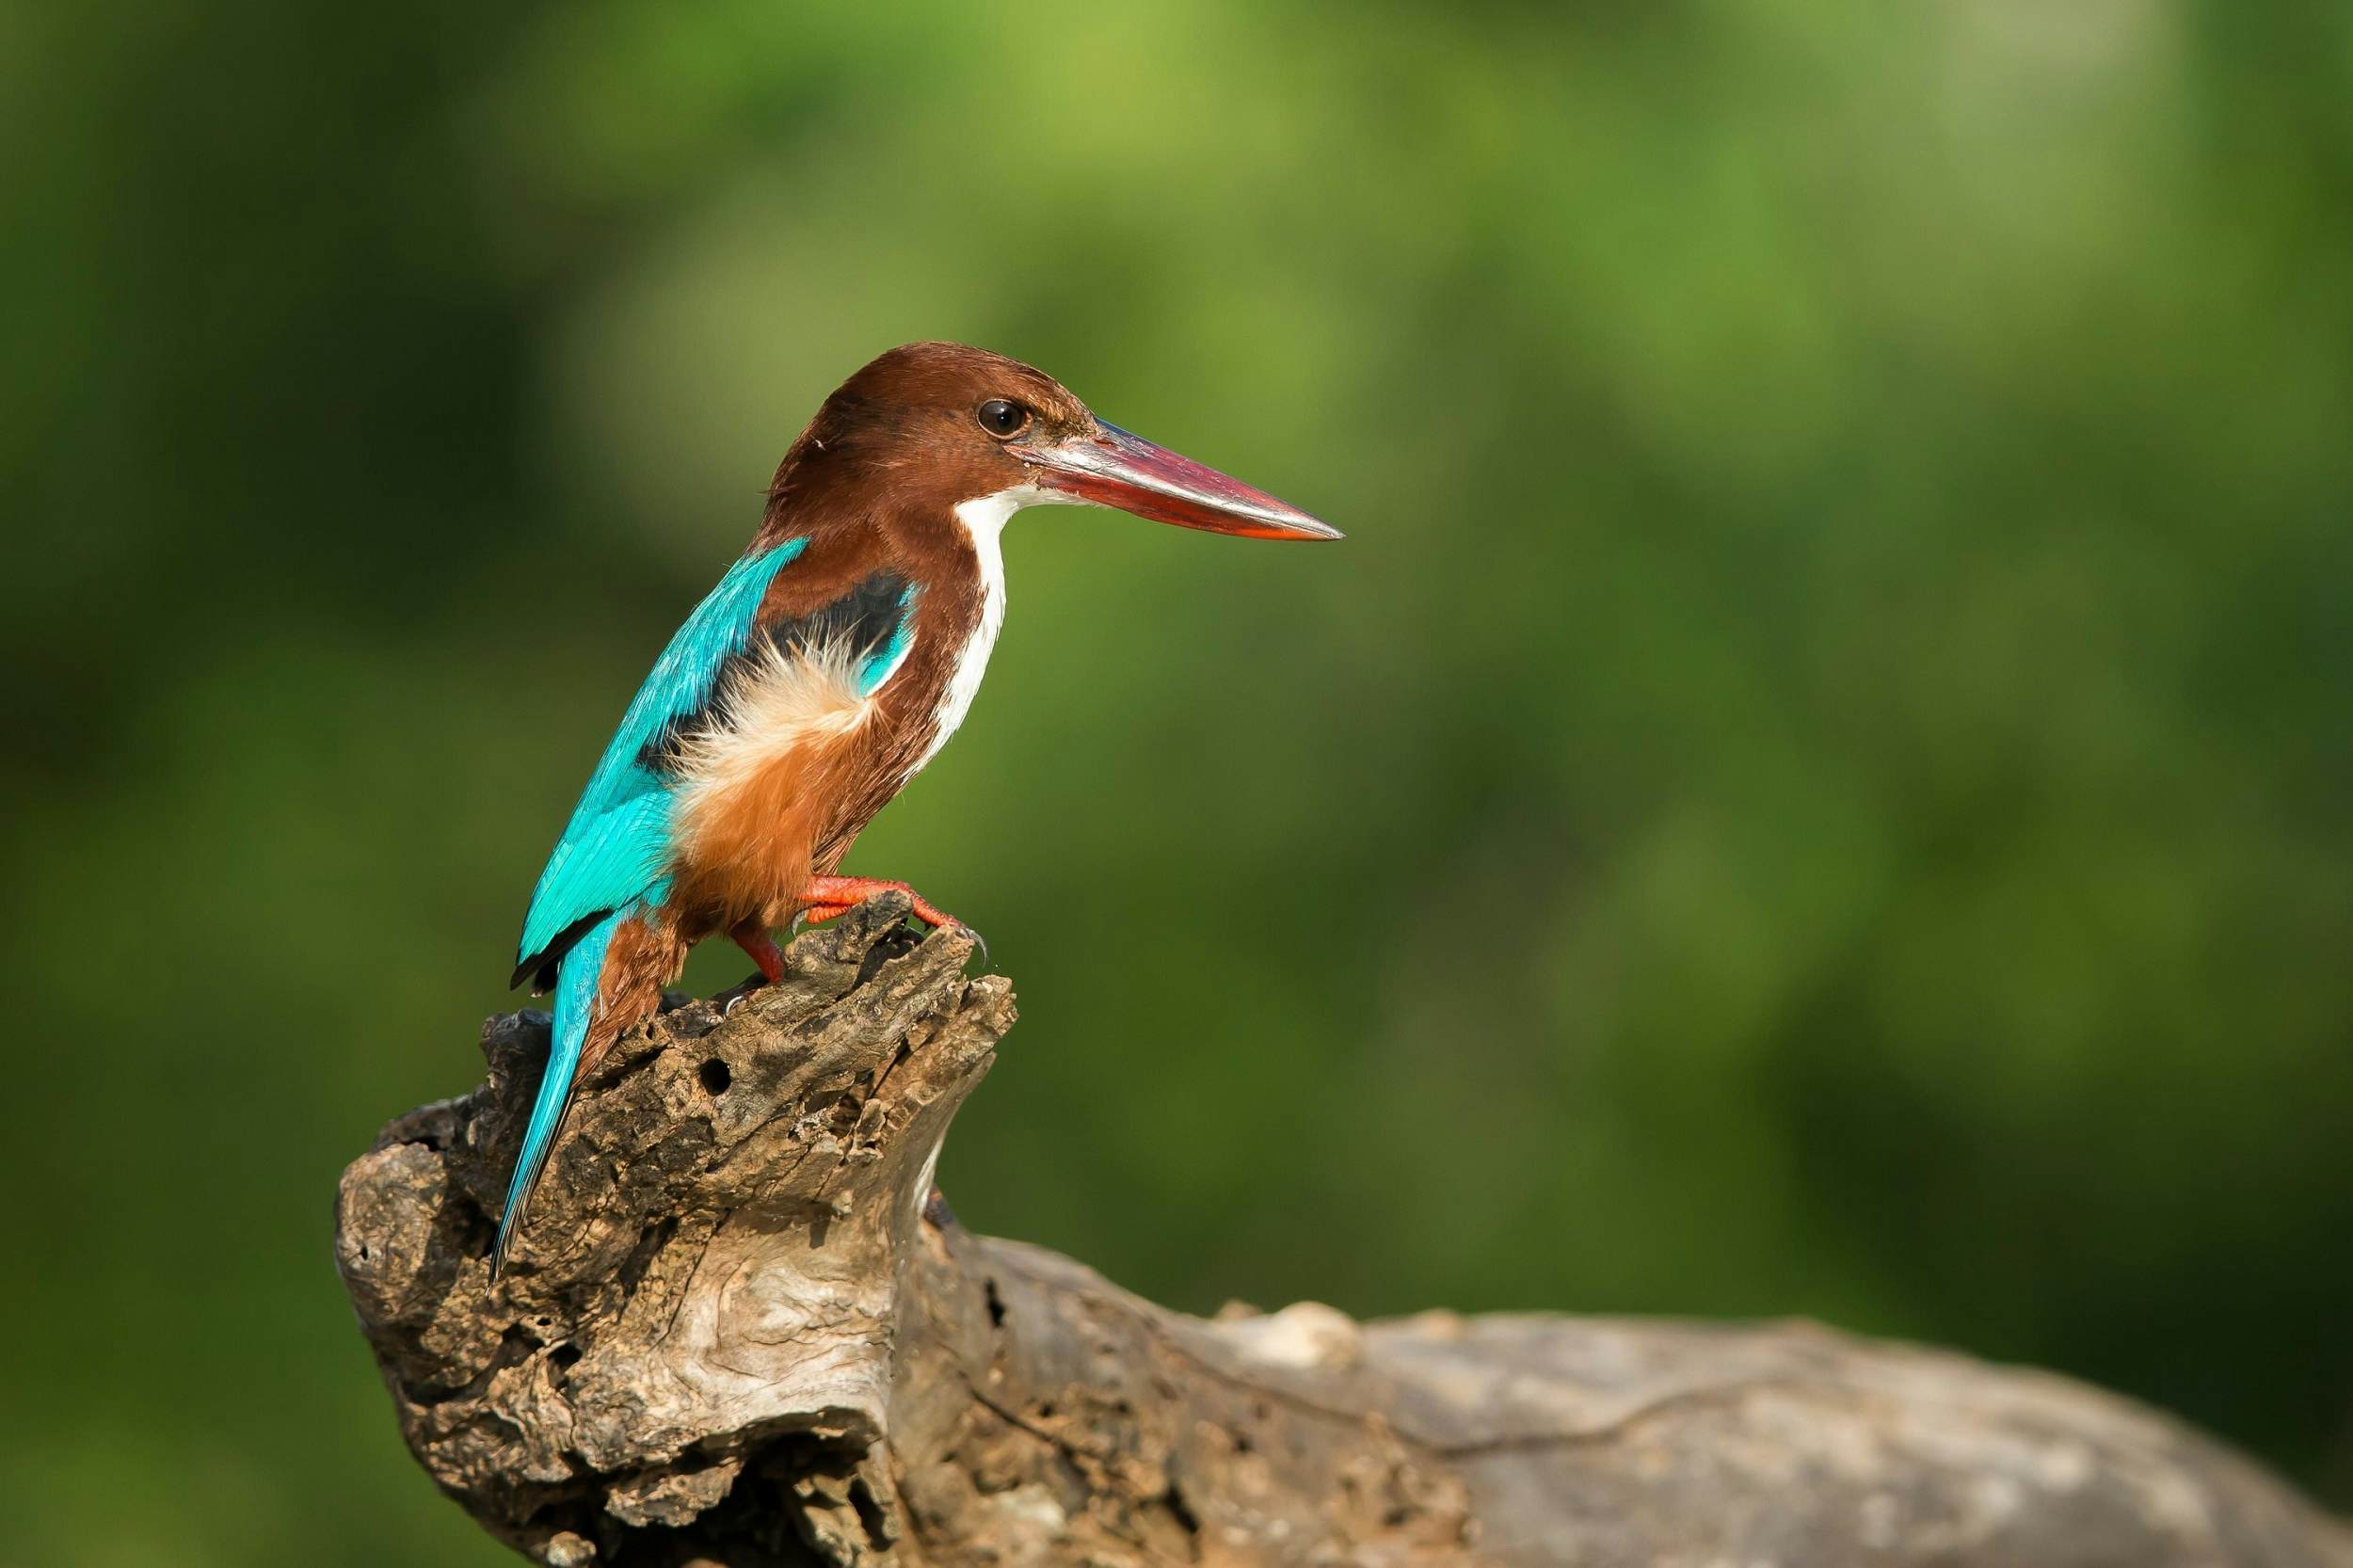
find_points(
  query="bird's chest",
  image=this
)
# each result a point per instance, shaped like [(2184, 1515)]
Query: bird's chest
[(804, 745)]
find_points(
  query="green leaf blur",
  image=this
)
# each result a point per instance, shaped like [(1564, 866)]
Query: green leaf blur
[(1820, 781)]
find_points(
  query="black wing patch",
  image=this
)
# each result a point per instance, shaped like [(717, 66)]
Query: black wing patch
[(541, 968), (865, 618)]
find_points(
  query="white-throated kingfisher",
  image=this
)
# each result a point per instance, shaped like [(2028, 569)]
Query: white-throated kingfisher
[(831, 663)]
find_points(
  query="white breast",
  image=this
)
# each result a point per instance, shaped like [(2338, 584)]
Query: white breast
[(983, 521)]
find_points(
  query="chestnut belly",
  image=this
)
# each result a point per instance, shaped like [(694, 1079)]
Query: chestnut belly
[(760, 790)]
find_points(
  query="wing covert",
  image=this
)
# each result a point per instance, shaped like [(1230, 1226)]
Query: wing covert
[(613, 848)]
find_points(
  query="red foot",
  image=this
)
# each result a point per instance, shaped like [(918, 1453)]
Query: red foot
[(829, 896), (753, 939)]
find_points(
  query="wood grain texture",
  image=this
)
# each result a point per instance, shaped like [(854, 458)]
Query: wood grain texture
[(737, 1335)]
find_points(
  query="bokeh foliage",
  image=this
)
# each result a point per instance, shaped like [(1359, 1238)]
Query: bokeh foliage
[(1820, 783)]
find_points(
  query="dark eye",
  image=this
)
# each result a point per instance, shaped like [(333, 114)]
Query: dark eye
[(1001, 416)]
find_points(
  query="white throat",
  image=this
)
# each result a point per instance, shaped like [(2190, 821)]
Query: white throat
[(983, 520)]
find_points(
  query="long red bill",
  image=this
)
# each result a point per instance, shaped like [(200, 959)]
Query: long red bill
[(1114, 468)]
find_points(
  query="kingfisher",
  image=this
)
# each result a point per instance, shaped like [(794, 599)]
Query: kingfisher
[(830, 663)]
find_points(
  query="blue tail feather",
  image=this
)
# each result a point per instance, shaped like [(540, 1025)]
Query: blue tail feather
[(576, 981)]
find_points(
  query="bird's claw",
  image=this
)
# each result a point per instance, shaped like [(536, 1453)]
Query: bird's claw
[(736, 996)]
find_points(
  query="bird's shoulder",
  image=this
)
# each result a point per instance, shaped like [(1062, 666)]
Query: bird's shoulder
[(852, 586)]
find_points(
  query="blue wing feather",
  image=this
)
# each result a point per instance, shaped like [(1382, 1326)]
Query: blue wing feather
[(613, 851)]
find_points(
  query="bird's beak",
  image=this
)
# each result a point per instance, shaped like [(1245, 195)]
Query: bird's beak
[(1111, 468)]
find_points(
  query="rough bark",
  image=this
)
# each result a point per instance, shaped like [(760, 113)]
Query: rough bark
[(737, 1332)]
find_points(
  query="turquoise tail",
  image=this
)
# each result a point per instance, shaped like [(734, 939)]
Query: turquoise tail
[(576, 980)]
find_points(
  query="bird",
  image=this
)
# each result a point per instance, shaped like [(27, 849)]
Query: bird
[(833, 660)]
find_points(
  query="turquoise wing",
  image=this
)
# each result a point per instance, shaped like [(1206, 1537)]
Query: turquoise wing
[(613, 850)]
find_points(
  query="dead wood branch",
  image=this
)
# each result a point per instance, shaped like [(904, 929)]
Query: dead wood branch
[(735, 1333)]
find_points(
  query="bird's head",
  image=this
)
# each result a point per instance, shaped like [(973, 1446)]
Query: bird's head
[(941, 425)]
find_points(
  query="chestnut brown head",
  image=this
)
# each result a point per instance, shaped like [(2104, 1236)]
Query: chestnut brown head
[(935, 425)]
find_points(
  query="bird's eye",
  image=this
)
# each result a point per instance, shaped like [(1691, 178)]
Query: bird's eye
[(1001, 417)]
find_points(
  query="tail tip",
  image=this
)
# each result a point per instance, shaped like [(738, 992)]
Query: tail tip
[(510, 1226)]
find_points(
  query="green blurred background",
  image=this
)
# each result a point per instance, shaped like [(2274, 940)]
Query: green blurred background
[(1820, 782)]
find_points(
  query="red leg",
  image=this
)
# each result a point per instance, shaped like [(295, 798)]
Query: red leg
[(818, 914), (753, 939), (843, 891)]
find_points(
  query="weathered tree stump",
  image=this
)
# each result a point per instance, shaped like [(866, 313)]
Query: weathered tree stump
[(736, 1332)]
